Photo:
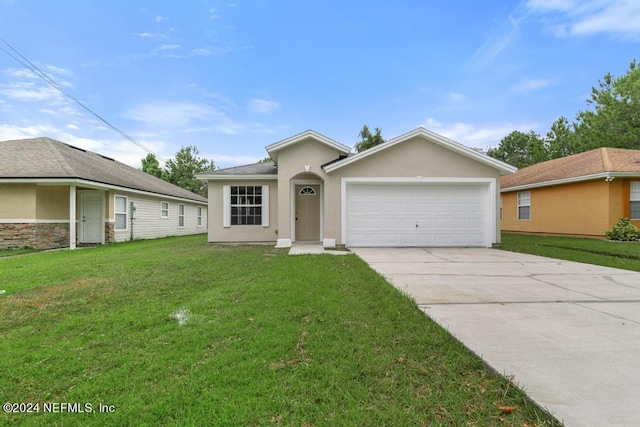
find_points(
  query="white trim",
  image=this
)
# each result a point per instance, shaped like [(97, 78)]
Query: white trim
[(518, 205), (198, 216), (72, 216), (126, 213), (431, 137), (94, 186), (277, 146), (292, 203), (183, 215), (168, 210), (226, 206), (237, 177), (33, 221), (265, 205), (602, 175), (490, 208), (283, 243)]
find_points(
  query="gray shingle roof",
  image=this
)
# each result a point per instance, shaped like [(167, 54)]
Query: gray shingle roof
[(47, 158), (266, 168)]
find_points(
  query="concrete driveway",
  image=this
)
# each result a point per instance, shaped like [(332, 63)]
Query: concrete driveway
[(569, 333)]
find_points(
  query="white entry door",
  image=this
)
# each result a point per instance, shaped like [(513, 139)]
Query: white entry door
[(398, 215), (91, 216)]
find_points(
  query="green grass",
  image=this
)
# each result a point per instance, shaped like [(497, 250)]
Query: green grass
[(13, 252), (267, 339), (625, 255)]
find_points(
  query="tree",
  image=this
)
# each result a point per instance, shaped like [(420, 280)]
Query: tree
[(151, 165), (615, 119), (520, 149), (182, 168), (561, 140), (367, 139)]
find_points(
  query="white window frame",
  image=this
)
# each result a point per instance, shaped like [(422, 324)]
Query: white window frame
[(164, 213), (226, 206), (199, 217), (524, 201), (116, 213), (181, 215), (634, 199)]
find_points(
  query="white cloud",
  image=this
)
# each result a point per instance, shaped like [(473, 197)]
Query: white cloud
[(168, 47), (494, 44), (160, 18), (474, 135), (201, 52), (532, 84), (618, 18), (144, 35), (213, 13), (457, 97), (223, 160), (262, 106), (72, 126)]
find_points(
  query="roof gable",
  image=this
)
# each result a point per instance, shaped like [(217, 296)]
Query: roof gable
[(46, 158), (264, 170), (577, 167), (429, 136), (309, 134)]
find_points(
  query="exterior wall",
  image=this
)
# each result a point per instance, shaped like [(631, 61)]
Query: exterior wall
[(17, 202), (241, 233), (409, 159), (291, 164), (583, 208), (52, 202), (148, 223)]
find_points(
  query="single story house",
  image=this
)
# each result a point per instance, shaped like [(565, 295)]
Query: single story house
[(419, 189), (583, 194), (54, 195)]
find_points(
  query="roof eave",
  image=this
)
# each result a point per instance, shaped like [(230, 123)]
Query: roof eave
[(277, 146), (590, 177), (236, 177)]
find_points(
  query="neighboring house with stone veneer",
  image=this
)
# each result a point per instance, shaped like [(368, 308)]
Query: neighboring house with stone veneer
[(54, 195)]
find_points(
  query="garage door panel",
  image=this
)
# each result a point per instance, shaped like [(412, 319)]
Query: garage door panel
[(445, 215)]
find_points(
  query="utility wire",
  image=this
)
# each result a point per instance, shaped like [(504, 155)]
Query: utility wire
[(38, 72)]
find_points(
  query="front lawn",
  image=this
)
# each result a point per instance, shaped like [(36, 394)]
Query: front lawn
[(176, 332), (625, 255)]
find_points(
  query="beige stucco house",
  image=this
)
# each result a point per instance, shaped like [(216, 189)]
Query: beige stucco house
[(583, 194), (419, 189), (54, 195)]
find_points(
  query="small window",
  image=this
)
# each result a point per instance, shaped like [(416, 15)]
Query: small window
[(180, 215), (164, 209), (634, 205), (246, 205), (524, 205), (500, 207), (307, 191), (121, 212), (199, 216)]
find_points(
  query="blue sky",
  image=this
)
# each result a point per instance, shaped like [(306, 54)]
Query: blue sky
[(231, 77)]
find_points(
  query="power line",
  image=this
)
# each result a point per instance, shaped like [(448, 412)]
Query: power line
[(38, 72)]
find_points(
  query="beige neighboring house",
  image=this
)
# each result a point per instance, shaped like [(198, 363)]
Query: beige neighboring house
[(419, 189), (54, 195)]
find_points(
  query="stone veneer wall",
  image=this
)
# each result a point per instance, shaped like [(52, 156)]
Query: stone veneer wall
[(109, 232), (37, 236)]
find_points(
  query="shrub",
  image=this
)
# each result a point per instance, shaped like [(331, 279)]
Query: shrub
[(623, 231)]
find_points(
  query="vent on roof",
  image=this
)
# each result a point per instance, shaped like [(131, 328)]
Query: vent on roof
[(108, 158)]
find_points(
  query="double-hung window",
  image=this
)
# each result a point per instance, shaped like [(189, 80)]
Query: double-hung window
[(524, 205), (180, 215), (245, 205), (634, 200), (164, 209), (199, 218), (121, 212)]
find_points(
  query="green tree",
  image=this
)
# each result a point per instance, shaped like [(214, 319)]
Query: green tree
[(561, 140), (615, 118), (367, 139), (151, 165), (520, 149), (181, 170)]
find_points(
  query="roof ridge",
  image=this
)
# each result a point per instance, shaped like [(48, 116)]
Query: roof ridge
[(52, 146), (606, 159)]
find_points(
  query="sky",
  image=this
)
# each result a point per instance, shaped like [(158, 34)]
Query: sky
[(231, 77)]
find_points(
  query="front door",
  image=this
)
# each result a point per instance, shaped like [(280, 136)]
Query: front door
[(307, 212), (91, 218)]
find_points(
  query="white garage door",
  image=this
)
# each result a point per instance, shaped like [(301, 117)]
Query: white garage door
[(417, 215)]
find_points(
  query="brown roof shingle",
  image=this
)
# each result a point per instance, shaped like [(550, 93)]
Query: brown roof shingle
[(598, 161), (47, 158)]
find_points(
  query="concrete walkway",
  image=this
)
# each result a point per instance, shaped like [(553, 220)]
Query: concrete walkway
[(313, 248), (569, 333)]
